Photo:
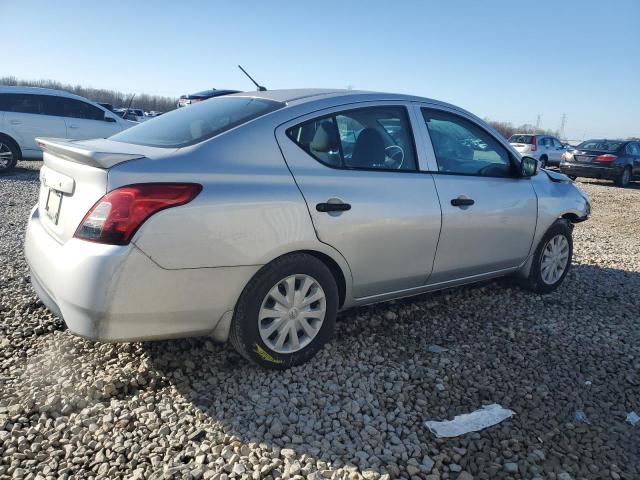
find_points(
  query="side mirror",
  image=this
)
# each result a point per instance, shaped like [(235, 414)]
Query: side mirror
[(529, 167), (109, 119)]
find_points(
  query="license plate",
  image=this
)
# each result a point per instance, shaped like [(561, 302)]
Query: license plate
[(582, 158), (52, 207)]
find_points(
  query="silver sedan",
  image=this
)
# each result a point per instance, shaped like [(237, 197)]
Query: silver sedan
[(256, 217)]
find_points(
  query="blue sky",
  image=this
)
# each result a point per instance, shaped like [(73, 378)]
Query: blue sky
[(504, 60)]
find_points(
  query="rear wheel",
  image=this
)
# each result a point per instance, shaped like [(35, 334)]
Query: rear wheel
[(9, 154), (286, 313), (624, 178), (552, 259), (543, 161)]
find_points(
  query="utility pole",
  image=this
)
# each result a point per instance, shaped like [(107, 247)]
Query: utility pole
[(538, 118), (562, 123)]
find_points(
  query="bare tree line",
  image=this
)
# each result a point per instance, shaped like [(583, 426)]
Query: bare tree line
[(507, 129), (144, 101)]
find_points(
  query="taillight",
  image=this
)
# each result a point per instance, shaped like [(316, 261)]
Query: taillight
[(534, 144), (606, 158), (116, 217), (567, 156)]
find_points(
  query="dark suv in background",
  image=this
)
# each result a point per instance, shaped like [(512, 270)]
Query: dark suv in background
[(616, 160)]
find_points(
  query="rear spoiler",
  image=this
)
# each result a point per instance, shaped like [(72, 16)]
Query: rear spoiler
[(74, 152)]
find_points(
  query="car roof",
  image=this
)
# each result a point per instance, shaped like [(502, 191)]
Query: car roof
[(40, 91), (307, 95)]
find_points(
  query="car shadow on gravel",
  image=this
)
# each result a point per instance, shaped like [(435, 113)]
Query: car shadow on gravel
[(364, 399)]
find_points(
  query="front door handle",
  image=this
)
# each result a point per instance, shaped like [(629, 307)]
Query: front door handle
[(462, 201), (15, 122), (333, 207)]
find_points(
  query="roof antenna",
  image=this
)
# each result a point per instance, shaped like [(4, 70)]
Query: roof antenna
[(260, 87)]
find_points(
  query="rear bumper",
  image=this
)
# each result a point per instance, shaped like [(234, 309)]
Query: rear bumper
[(116, 293), (591, 171)]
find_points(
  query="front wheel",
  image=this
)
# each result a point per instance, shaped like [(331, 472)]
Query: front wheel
[(286, 313), (624, 178), (552, 259)]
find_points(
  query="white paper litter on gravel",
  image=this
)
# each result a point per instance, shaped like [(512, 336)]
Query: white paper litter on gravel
[(487, 416)]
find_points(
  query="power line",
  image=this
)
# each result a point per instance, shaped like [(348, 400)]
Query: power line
[(562, 123)]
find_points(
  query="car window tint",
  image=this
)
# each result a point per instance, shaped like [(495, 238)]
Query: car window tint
[(53, 105), (633, 149), (372, 138), (21, 103), (202, 120), (78, 109), (462, 147)]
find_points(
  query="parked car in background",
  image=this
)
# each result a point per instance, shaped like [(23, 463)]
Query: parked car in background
[(131, 114), (29, 112), (616, 160), (185, 100), (153, 113), (287, 206), (108, 106), (547, 149)]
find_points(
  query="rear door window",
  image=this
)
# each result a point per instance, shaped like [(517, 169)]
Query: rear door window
[(371, 138)]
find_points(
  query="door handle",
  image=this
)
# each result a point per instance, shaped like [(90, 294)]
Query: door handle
[(15, 122), (462, 201), (333, 207), (73, 126)]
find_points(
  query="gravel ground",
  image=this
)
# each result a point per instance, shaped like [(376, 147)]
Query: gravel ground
[(70, 408)]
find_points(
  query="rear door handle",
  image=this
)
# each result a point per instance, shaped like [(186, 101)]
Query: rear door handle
[(333, 207), (15, 122), (462, 201), (73, 126)]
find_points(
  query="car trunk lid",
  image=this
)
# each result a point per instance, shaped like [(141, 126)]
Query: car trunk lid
[(588, 156), (74, 177)]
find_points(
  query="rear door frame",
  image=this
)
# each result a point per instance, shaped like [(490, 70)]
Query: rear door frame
[(421, 160)]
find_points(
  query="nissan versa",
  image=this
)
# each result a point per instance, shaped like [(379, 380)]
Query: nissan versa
[(258, 216)]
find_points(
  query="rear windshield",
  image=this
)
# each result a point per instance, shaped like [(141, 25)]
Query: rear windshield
[(600, 145), (521, 139), (195, 123)]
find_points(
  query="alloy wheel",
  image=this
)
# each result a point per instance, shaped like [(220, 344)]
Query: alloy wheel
[(555, 259), (292, 313), (6, 156)]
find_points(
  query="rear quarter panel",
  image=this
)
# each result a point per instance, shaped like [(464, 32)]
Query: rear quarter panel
[(249, 212)]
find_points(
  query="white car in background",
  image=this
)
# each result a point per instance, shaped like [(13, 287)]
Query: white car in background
[(29, 112), (545, 148)]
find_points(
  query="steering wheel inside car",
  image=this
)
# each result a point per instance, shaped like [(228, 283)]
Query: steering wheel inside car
[(394, 157)]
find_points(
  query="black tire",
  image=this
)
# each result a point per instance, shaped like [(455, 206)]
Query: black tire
[(535, 282), (6, 143), (624, 178), (244, 333), (543, 161)]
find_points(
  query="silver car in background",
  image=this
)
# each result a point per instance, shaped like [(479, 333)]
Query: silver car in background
[(545, 148), (258, 216)]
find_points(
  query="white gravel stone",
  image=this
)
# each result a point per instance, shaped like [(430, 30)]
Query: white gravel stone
[(71, 408)]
